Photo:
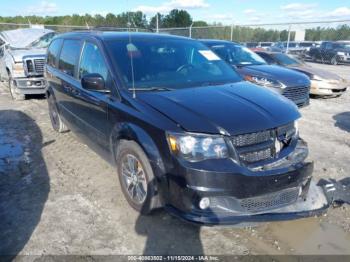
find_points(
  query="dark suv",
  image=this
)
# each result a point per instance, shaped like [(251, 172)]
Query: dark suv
[(184, 132)]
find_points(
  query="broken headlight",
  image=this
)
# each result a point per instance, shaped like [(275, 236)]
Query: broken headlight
[(17, 69), (197, 147)]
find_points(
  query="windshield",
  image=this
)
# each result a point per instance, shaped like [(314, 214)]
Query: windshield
[(306, 44), (237, 55), (286, 59), (43, 42), (342, 46), (265, 44), (168, 63)]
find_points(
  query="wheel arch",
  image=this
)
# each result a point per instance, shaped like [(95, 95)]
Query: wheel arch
[(132, 132)]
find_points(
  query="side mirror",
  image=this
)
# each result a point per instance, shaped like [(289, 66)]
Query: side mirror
[(93, 82)]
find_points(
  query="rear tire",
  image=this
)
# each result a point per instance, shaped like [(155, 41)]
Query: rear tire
[(56, 121), (136, 177), (12, 88), (314, 59)]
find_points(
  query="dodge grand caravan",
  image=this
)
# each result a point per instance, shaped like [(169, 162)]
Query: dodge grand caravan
[(182, 129)]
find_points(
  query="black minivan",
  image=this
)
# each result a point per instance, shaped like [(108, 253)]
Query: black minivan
[(181, 127)]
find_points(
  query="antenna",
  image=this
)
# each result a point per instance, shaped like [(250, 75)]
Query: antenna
[(132, 59)]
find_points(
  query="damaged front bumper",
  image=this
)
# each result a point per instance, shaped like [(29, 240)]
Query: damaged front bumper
[(327, 88), (30, 85), (315, 202)]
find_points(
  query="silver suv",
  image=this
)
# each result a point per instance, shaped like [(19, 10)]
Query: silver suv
[(22, 60)]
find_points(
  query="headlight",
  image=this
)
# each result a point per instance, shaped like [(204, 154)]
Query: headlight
[(296, 127), (263, 81), (197, 147), (17, 68), (316, 78), (340, 53)]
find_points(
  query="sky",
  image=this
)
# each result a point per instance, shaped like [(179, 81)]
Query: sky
[(224, 11)]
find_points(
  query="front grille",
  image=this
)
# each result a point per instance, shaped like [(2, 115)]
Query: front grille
[(269, 201), (297, 94), (259, 146), (39, 65), (34, 66), (257, 155), (251, 139)]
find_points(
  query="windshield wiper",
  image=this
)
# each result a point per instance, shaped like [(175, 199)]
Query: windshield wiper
[(153, 88)]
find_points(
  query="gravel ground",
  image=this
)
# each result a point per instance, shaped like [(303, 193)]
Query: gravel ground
[(58, 197)]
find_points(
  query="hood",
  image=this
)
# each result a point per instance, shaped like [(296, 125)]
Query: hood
[(284, 75), (310, 71), (231, 109), (21, 38), (18, 54)]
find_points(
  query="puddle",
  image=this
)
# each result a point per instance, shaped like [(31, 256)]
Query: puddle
[(310, 236), (11, 151)]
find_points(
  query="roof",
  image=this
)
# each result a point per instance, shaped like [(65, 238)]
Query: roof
[(21, 38), (111, 35)]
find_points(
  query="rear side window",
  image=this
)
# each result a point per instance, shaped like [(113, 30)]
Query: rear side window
[(53, 51), (69, 56)]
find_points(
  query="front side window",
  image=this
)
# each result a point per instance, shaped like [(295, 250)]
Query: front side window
[(92, 61), (170, 63), (53, 51), (69, 56), (237, 55)]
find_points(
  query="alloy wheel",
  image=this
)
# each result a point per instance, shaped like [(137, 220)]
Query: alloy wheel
[(134, 178)]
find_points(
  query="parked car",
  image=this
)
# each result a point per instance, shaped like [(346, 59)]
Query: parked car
[(251, 44), (331, 52), (183, 130), (22, 59), (265, 45), (323, 83), (253, 68)]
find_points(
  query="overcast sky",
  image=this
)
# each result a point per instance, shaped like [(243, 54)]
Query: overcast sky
[(225, 11)]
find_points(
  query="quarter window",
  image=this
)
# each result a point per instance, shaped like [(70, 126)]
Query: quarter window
[(69, 56), (52, 54), (92, 61)]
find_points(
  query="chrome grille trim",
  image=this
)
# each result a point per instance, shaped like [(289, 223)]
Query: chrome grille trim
[(39, 65), (34, 65)]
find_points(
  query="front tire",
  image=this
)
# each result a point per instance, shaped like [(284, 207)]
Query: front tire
[(136, 177), (56, 121), (334, 60), (12, 88)]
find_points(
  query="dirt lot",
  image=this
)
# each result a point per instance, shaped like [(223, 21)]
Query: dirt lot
[(58, 197)]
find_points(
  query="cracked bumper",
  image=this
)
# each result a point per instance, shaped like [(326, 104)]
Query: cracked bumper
[(313, 203)]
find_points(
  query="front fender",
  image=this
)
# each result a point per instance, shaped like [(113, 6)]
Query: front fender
[(133, 132)]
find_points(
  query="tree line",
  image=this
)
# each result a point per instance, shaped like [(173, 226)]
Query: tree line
[(180, 18)]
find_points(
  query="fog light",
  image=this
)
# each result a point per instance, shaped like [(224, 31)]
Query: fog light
[(204, 203)]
